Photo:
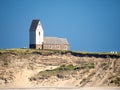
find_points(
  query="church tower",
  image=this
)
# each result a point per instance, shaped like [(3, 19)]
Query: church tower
[(36, 35)]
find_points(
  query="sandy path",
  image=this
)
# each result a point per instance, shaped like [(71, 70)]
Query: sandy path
[(50, 88), (22, 77)]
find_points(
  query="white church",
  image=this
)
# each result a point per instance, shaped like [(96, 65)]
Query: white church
[(38, 41)]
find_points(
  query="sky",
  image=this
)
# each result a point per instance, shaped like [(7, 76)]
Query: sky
[(88, 25)]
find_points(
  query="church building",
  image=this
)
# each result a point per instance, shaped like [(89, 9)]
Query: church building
[(38, 41)]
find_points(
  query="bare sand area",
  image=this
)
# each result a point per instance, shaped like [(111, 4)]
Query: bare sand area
[(53, 88), (29, 69)]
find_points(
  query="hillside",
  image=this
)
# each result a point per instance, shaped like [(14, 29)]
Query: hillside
[(50, 68)]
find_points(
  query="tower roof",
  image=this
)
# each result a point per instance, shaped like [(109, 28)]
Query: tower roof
[(34, 24)]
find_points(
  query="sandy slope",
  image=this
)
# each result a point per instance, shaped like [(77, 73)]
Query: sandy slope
[(20, 69)]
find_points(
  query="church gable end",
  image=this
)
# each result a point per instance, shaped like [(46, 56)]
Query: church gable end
[(36, 35)]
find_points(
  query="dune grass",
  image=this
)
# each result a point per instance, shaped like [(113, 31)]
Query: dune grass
[(116, 81), (62, 71), (31, 51), (19, 51)]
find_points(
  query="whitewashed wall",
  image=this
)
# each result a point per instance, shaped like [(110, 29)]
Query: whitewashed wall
[(35, 38), (39, 38)]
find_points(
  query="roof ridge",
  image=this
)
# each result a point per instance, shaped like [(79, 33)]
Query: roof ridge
[(54, 37)]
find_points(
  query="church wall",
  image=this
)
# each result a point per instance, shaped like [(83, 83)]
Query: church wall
[(39, 34), (35, 46), (56, 46), (32, 37)]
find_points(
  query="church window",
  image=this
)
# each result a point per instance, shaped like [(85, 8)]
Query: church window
[(50, 46), (65, 47), (39, 33), (58, 46)]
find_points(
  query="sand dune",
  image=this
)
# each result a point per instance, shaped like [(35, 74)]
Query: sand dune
[(24, 70)]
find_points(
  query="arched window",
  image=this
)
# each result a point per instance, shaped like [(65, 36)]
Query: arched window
[(65, 47), (39, 33)]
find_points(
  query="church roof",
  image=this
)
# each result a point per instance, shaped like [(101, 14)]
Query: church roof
[(55, 40), (34, 24)]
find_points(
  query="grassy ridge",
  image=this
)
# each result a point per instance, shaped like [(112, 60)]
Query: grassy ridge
[(31, 51), (50, 52)]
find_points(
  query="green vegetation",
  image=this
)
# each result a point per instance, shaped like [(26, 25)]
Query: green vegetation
[(100, 53), (65, 68), (116, 81), (31, 51), (60, 72), (18, 51), (105, 65), (96, 54), (83, 80), (89, 65)]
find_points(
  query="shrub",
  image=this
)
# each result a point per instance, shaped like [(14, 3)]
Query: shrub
[(60, 76), (65, 68), (61, 72), (83, 80), (116, 81), (88, 66), (105, 65)]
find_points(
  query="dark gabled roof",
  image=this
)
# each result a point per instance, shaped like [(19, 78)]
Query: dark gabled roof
[(34, 24), (55, 40)]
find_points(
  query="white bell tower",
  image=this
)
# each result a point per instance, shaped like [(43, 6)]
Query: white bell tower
[(36, 35)]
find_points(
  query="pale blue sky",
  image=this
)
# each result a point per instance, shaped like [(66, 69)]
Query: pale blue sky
[(89, 25)]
